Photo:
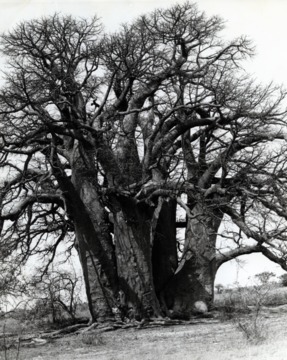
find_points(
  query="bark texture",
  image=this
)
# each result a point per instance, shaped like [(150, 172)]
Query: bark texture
[(194, 277), (133, 253), (93, 238)]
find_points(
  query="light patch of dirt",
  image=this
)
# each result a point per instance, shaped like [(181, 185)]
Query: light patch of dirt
[(201, 341)]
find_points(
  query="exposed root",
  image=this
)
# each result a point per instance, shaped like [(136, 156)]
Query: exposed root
[(40, 339), (146, 323), (67, 330)]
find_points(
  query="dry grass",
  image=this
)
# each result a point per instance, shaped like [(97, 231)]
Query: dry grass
[(222, 341), (274, 295), (204, 341)]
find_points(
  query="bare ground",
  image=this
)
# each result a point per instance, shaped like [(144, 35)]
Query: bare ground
[(211, 339)]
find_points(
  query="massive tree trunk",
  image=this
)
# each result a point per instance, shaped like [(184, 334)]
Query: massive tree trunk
[(92, 232), (194, 278), (132, 236), (99, 292), (97, 258), (145, 249), (96, 264)]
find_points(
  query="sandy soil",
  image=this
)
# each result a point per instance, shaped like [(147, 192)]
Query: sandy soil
[(212, 340)]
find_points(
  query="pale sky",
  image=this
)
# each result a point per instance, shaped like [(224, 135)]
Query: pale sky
[(263, 21)]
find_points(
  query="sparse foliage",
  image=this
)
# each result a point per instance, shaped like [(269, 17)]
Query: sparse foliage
[(253, 299), (246, 306), (265, 277)]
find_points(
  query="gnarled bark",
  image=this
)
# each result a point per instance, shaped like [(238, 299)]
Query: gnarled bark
[(92, 237), (133, 252), (194, 278), (96, 249)]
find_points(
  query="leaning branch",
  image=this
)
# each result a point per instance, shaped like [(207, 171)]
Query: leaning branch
[(234, 253)]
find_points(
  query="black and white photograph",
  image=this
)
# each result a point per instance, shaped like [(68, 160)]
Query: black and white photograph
[(143, 180)]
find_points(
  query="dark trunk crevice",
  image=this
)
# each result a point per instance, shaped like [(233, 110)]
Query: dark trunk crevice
[(164, 251)]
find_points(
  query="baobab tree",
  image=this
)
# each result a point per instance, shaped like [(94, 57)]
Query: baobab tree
[(104, 136)]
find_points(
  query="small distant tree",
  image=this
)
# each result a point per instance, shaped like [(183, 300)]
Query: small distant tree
[(56, 293), (264, 277), (283, 279)]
